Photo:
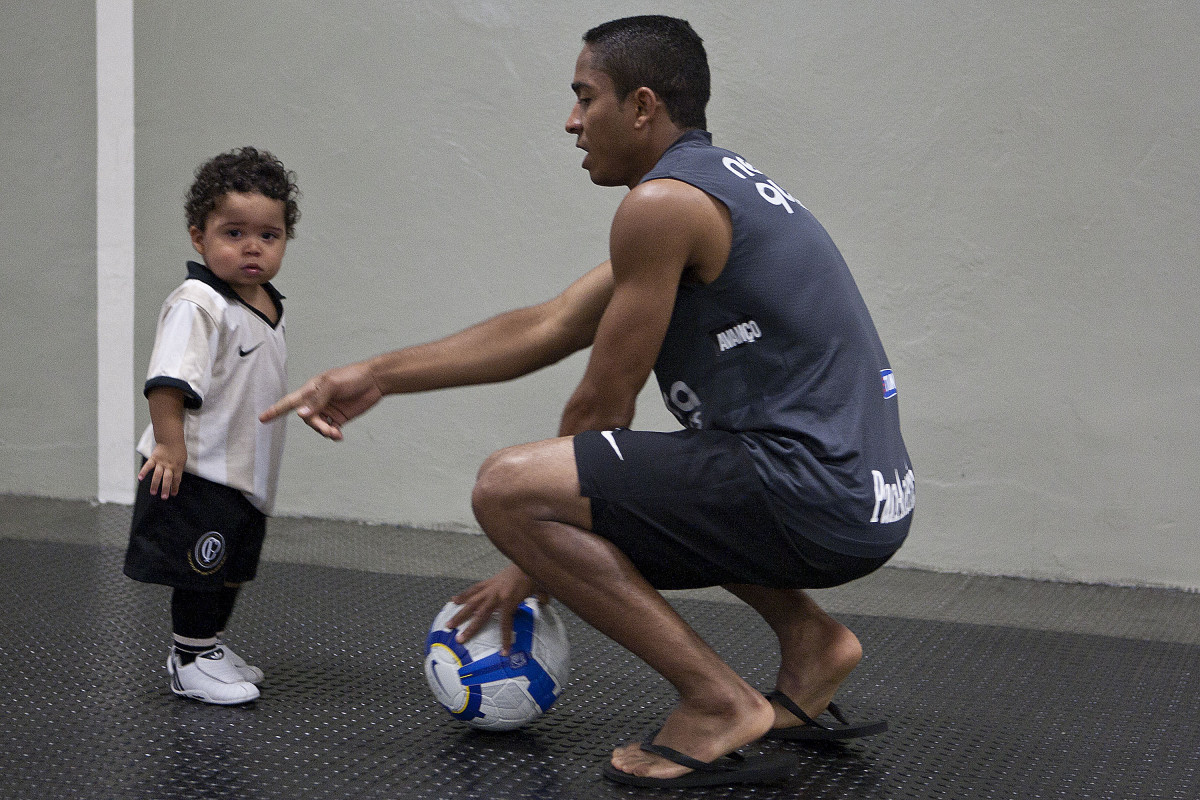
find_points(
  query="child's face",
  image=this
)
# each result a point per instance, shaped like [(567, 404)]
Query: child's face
[(243, 240)]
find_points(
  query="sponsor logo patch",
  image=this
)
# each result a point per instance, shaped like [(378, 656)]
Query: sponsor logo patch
[(745, 332), (894, 500), (889, 383)]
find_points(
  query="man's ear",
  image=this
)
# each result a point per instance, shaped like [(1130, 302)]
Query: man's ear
[(197, 239), (648, 103)]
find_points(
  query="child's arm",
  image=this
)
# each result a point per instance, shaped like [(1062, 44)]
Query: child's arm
[(170, 450)]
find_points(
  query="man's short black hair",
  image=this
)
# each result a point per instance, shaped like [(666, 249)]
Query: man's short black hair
[(661, 53)]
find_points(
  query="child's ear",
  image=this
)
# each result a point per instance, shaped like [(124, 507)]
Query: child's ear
[(197, 239)]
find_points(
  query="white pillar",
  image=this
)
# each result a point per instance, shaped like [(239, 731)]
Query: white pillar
[(114, 251)]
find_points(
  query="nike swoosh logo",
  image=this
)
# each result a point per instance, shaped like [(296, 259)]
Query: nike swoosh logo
[(244, 353), (612, 441)]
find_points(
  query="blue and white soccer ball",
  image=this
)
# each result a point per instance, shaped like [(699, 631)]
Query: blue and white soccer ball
[(493, 692)]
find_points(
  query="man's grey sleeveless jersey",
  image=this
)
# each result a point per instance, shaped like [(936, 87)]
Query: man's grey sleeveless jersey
[(781, 349)]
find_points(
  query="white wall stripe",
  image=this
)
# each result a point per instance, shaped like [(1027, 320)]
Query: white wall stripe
[(114, 251)]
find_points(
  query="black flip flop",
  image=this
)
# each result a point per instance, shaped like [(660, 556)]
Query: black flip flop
[(814, 731), (726, 770)]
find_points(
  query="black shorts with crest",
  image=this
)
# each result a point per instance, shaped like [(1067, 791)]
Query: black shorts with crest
[(204, 537)]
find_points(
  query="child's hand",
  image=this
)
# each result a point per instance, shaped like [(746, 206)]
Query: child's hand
[(166, 463)]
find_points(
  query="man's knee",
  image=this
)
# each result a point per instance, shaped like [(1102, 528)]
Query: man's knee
[(529, 482), (495, 482)]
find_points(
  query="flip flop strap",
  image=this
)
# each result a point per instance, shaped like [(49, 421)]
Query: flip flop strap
[(787, 703), (832, 708), (685, 760)]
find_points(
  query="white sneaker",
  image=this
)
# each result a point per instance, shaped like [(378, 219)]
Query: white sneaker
[(211, 678), (249, 673)]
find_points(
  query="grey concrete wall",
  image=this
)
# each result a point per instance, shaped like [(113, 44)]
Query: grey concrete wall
[(48, 249), (1013, 183)]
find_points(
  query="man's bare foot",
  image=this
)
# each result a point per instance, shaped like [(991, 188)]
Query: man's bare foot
[(816, 651), (703, 735), (814, 667)]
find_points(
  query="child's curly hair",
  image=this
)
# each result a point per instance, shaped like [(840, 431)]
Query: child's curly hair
[(242, 170)]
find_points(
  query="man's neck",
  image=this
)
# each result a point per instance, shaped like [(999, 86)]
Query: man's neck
[(659, 141)]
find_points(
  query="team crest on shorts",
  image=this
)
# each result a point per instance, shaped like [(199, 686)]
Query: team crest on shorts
[(208, 554)]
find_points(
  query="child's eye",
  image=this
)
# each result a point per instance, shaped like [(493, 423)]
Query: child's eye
[(233, 233)]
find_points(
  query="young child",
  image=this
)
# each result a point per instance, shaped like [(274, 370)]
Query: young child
[(210, 471)]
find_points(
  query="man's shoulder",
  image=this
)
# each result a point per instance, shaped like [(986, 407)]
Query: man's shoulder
[(662, 204), (664, 188), (699, 164)]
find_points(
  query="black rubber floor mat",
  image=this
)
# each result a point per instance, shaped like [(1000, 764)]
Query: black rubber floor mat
[(975, 711)]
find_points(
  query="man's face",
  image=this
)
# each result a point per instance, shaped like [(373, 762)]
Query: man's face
[(602, 125)]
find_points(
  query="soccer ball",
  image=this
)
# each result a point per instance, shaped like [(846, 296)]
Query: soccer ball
[(493, 692)]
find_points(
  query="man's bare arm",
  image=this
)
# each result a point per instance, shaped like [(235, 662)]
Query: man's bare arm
[(504, 347), (661, 230)]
